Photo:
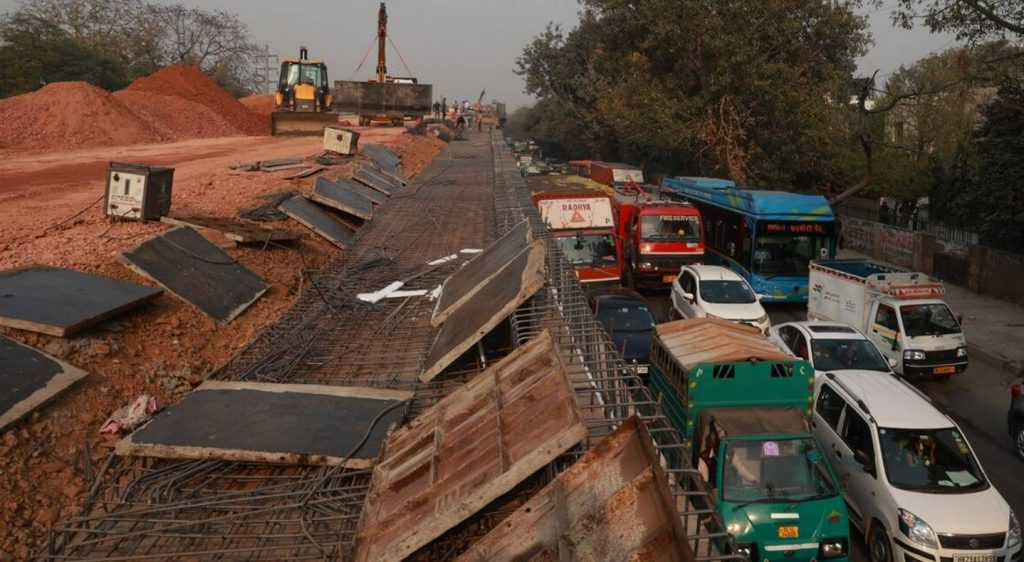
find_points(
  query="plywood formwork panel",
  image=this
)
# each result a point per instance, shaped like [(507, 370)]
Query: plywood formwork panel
[(613, 504), (468, 449), (464, 283), (243, 232), (197, 272), (371, 178), (60, 302), (341, 198), (273, 423), (29, 378), (372, 194), (486, 308), (306, 213)]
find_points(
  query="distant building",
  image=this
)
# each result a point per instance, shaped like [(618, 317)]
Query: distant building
[(857, 87)]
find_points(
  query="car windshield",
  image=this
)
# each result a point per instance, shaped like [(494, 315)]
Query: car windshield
[(589, 250), (929, 460), (928, 320), (727, 292), (670, 228), (784, 470), (787, 256), (835, 355), (625, 317)]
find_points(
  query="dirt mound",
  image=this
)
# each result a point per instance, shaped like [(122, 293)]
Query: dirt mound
[(69, 115), (190, 83), (175, 118), (261, 104)]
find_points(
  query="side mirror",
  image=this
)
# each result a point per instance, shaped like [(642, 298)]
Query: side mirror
[(892, 363), (687, 296), (960, 319)]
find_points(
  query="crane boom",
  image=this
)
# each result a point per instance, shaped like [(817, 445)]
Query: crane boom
[(382, 35)]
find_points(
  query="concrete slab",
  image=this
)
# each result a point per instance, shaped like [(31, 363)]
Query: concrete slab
[(273, 423), (29, 378), (467, 450), (243, 232), (341, 198), (309, 215), (60, 302), (464, 283), (486, 308), (197, 272)]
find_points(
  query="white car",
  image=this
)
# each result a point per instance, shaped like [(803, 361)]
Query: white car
[(910, 479), (711, 291), (830, 347)]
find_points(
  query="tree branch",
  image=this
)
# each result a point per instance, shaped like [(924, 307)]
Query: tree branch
[(993, 17)]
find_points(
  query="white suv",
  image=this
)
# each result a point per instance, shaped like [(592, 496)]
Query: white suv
[(909, 477), (830, 347), (711, 291)]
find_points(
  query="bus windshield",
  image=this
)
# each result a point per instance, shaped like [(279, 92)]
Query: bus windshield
[(670, 228), (787, 256), (774, 470), (589, 250), (933, 319)]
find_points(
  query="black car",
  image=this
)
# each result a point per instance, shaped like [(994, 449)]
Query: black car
[(628, 320), (1015, 419)]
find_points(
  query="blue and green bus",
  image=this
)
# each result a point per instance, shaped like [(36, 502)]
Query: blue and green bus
[(768, 237)]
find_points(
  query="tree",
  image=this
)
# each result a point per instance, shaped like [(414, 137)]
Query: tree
[(971, 20)]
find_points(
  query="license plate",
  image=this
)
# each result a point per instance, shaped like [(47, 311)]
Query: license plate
[(790, 532), (974, 558), (668, 278), (642, 370), (944, 370)]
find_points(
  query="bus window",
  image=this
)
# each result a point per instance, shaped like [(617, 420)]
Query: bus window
[(787, 256)]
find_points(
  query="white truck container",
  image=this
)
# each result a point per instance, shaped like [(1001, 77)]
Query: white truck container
[(901, 312)]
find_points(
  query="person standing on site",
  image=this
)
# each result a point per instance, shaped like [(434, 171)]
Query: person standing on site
[(444, 107), (436, 109)]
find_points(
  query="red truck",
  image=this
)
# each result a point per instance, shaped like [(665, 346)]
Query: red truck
[(657, 236), (584, 224)]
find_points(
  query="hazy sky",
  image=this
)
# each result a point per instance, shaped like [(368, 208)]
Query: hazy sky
[(463, 46)]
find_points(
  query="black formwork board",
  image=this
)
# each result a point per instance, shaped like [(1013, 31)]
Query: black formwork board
[(341, 198), (372, 194), (29, 378), (309, 215), (368, 177), (464, 283), (390, 172), (196, 271), (381, 155), (60, 302), (274, 423)]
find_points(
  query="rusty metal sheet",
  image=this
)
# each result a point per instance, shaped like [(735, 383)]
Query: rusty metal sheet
[(464, 283), (473, 446), (486, 308), (710, 340), (29, 378), (613, 504)]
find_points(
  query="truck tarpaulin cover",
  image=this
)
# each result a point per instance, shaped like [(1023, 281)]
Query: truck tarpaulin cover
[(576, 213), (382, 98)]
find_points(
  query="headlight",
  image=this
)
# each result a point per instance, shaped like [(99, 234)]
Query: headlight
[(749, 550), (646, 265), (762, 319), (917, 530), (913, 355), (961, 352), (832, 548), (1013, 537)]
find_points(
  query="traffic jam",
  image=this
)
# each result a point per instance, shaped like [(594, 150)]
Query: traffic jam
[(811, 434)]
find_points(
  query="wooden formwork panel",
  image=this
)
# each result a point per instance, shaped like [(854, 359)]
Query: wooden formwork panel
[(341, 198), (29, 378), (468, 449), (306, 213), (237, 230)]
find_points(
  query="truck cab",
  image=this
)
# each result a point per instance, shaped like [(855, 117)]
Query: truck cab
[(657, 235), (743, 407), (584, 225)]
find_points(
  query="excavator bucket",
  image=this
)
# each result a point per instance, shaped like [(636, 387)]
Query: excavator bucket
[(301, 122)]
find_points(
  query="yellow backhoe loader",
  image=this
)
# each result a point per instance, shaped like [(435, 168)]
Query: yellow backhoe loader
[(303, 97)]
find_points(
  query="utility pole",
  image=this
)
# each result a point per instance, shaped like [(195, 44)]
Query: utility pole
[(269, 72)]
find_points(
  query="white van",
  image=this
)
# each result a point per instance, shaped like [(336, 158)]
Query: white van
[(910, 479)]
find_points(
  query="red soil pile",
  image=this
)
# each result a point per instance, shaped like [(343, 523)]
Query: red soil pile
[(261, 104), (174, 118), (69, 115), (190, 83)]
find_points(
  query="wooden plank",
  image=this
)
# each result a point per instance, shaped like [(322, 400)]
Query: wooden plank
[(373, 195), (464, 283), (371, 179), (486, 308), (197, 272), (243, 232), (309, 215), (341, 198), (470, 448), (613, 504), (272, 423), (60, 302), (29, 379), (306, 173)]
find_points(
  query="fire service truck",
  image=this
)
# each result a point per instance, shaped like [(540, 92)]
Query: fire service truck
[(657, 236)]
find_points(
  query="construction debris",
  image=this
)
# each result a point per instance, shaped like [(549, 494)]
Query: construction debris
[(488, 306), (29, 378), (613, 504), (129, 417), (60, 302), (306, 173), (273, 423), (242, 232), (268, 211), (473, 446), (270, 165), (197, 272), (339, 197), (341, 141), (316, 219)]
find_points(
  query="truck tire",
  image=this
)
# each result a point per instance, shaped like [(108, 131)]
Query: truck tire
[(1018, 438)]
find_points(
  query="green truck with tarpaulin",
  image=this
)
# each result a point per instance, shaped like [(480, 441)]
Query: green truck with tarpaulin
[(743, 408)]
